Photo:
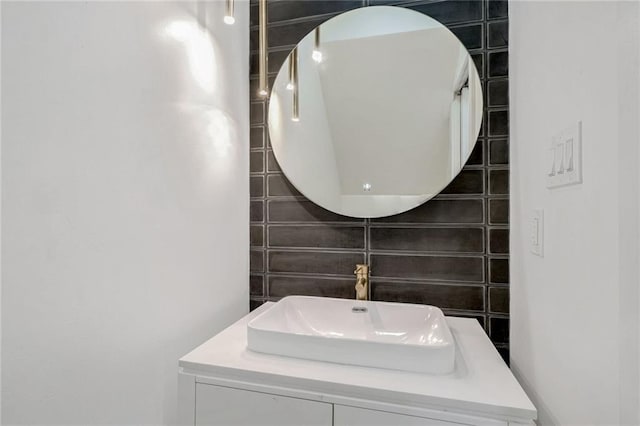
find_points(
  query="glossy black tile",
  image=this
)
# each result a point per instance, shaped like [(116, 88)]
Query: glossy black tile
[(498, 152), (497, 9), (440, 268), (255, 304), (279, 186), (498, 182), (499, 241), (383, 2), (499, 329), (464, 297), (292, 9), (478, 61), (256, 235), (469, 211), (276, 59), (450, 12), (504, 353), (254, 13), (498, 34), (256, 261), (311, 286), (476, 158), (499, 300), (498, 123), (256, 137), (467, 182), (499, 271), (316, 236), (459, 240), (272, 163), (256, 211), (315, 262), (256, 287), (256, 186), (469, 35), (302, 211), (498, 212), (256, 162), (498, 92), (291, 34), (480, 318), (498, 64), (257, 113)]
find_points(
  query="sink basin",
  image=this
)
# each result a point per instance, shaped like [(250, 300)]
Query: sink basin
[(397, 336)]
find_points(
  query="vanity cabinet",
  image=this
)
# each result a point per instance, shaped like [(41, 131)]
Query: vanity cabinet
[(223, 406), (354, 416), (217, 405), (222, 383)]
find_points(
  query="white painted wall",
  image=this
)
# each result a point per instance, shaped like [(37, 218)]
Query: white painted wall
[(574, 313), (125, 202)]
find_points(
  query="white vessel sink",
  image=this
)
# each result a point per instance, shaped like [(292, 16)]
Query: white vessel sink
[(397, 336)]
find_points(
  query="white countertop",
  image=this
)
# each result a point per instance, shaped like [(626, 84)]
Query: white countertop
[(481, 384)]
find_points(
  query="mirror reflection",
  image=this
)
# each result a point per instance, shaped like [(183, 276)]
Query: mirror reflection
[(375, 111)]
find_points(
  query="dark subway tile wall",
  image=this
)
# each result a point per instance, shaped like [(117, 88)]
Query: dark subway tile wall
[(452, 252), (467, 182), (256, 162), (428, 268), (300, 210), (279, 186), (499, 300), (455, 296), (317, 236), (256, 235), (256, 186), (498, 34), (498, 212), (499, 241), (498, 152), (428, 240), (452, 12), (314, 262), (499, 271), (498, 182), (441, 211), (498, 93), (280, 286), (469, 35)]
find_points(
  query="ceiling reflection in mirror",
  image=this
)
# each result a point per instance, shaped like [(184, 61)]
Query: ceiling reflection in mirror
[(375, 111)]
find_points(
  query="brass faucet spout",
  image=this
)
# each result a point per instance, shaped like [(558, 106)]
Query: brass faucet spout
[(362, 281)]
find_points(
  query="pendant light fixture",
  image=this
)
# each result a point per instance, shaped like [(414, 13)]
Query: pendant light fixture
[(317, 53), (263, 89), (291, 81), (293, 66), (229, 18)]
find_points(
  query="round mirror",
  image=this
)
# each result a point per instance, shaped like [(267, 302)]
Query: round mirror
[(375, 111)]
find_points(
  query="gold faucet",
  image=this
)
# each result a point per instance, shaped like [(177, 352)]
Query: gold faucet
[(362, 281)]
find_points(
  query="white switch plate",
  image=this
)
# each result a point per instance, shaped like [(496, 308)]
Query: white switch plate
[(536, 230), (565, 158)]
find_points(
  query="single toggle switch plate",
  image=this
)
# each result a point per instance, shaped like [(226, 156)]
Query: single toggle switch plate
[(566, 158), (537, 232)]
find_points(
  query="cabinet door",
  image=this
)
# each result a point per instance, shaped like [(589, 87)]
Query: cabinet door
[(217, 405), (352, 416)]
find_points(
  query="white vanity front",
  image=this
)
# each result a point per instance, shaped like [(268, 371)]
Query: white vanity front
[(222, 382)]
